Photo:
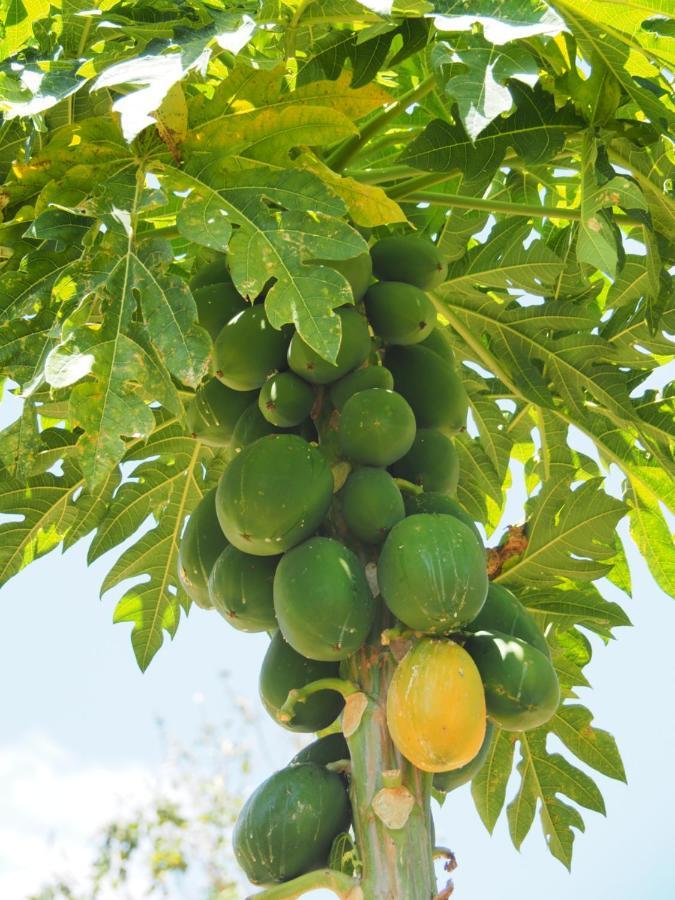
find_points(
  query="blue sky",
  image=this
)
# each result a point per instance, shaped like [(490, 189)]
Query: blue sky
[(79, 733)]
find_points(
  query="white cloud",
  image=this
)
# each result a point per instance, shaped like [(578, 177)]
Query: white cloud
[(52, 805)]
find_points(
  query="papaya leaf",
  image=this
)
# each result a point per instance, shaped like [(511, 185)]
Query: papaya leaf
[(279, 244), (616, 55), (167, 483), (570, 538), (535, 129), (245, 91), (41, 514), (576, 604), (488, 787), (596, 748), (544, 776), (475, 73)]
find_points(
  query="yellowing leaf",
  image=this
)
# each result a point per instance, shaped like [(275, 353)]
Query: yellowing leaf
[(368, 204)]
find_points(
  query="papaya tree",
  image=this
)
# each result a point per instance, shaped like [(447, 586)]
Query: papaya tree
[(286, 288)]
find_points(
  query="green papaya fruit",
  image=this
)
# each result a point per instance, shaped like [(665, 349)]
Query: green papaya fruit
[(354, 349), (432, 573), (358, 270), (240, 588), (322, 601), (439, 342), (371, 504), (216, 305), (200, 546), (521, 685), (432, 461), (377, 427), (273, 494), (214, 412), (284, 670), (288, 824), (411, 259), (431, 502), (250, 426), (368, 377), (328, 749), (448, 781), (285, 399), (430, 385), (247, 349), (212, 273), (399, 313), (505, 613)]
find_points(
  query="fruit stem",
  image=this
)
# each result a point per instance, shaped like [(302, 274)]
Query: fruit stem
[(299, 695), (408, 486), (343, 885), (348, 150)]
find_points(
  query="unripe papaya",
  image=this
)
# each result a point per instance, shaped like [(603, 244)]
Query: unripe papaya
[(521, 685), (240, 588), (247, 349), (322, 600), (399, 313), (361, 380), (448, 781), (411, 259), (430, 385), (377, 427), (431, 502), (200, 546), (328, 749), (439, 342), (354, 348), (214, 412), (431, 462), (284, 670), (436, 706), (432, 573), (274, 494), (371, 504), (285, 399), (288, 824), (358, 271), (216, 305), (250, 426), (504, 612), (212, 273)]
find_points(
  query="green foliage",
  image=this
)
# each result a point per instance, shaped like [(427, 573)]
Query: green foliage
[(530, 143)]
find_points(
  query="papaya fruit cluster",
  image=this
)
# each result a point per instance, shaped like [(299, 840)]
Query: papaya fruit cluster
[(284, 543)]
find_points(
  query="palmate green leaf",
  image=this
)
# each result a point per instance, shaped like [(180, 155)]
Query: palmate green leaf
[(653, 537), (576, 604), (593, 746), (42, 512), (536, 130), (281, 244), (475, 73), (619, 57), (543, 777), (18, 18), (480, 487), (488, 788), (167, 487), (598, 241), (571, 537)]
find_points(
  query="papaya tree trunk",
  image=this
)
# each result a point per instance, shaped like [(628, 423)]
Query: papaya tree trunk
[(390, 797)]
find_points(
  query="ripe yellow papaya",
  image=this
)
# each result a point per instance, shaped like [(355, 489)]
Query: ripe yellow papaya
[(436, 706)]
